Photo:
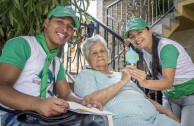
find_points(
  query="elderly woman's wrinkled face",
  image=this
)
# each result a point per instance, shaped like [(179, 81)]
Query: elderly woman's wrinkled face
[(98, 56)]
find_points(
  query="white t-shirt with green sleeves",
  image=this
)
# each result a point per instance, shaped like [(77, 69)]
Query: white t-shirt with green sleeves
[(173, 55), (26, 53)]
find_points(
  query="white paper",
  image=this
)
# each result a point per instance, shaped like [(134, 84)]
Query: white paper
[(78, 108)]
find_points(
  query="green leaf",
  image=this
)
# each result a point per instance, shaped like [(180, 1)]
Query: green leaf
[(11, 18), (16, 4), (1, 31), (25, 17)]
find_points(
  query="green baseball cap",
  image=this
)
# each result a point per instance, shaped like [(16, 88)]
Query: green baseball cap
[(134, 24), (65, 11)]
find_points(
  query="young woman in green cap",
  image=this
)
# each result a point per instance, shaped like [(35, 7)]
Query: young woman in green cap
[(170, 66)]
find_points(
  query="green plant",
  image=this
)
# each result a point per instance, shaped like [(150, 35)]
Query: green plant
[(25, 17)]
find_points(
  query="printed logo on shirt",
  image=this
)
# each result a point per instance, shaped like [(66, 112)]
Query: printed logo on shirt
[(39, 77)]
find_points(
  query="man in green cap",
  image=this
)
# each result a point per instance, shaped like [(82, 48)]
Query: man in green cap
[(28, 74)]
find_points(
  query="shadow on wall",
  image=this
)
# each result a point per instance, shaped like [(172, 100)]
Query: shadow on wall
[(185, 38), (190, 52)]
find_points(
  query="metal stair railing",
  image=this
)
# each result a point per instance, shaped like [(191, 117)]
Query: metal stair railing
[(120, 11)]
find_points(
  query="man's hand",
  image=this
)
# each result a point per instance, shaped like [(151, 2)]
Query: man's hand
[(51, 106)]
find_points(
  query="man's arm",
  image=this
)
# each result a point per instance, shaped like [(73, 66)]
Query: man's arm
[(8, 95), (163, 110), (64, 91), (20, 101)]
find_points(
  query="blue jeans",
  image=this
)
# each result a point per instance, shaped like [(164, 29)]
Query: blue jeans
[(183, 108), (10, 120)]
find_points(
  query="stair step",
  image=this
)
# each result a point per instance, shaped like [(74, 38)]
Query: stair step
[(167, 24), (158, 29), (166, 20), (185, 9)]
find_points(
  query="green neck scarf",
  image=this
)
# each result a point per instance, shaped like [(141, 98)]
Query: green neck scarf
[(50, 55)]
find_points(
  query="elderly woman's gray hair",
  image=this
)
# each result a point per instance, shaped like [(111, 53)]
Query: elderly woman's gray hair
[(91, 41)]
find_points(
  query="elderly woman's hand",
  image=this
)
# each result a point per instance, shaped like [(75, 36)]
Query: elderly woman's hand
[(138, 75), (90, 102), (126, 76)]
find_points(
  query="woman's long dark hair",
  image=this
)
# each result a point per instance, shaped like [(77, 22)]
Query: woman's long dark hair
[(156, 67)]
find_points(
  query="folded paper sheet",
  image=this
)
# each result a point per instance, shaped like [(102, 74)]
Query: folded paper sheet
[(78, 108)]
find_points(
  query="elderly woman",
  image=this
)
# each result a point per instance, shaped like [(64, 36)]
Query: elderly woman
[(116, 91)]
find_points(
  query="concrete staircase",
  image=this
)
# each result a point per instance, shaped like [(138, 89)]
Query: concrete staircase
[(181, 19), (167, 25), (185, 9)]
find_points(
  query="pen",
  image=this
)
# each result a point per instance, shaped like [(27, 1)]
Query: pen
[(54, 96)]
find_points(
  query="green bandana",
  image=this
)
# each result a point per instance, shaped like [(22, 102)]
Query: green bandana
[(49, 58)]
